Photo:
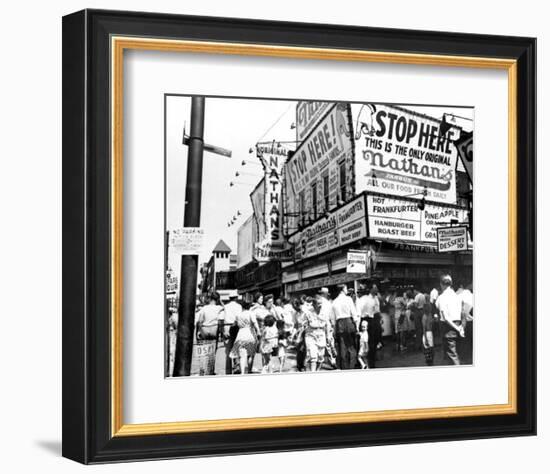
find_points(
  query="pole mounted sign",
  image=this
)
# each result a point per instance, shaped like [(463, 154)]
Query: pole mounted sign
[(357, 262), (452, 239), (186, 240)]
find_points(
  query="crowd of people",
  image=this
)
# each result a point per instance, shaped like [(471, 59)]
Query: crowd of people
[(339, 331)]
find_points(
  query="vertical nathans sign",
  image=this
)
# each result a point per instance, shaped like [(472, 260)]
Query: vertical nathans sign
[(403, 153), (273, 246)]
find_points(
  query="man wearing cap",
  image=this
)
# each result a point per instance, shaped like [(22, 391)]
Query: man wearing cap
[(467, 299), (328, 313), (449, 305), (345, 316)]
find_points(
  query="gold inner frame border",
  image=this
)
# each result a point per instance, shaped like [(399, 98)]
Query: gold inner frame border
[(118, 45)]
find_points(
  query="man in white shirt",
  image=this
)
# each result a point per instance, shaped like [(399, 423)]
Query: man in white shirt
[(278, 309), (345, 315), (289, 316), (433, 295), (467, 298), (418, 311), (369, 304), (450, 312), (230, 329)]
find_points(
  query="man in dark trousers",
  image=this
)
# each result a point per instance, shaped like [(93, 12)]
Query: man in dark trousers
[(417, 312), (230, 329), (450, 312), (375, 338), (346, 320)]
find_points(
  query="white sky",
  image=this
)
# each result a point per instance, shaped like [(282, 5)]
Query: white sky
[(235, 124)]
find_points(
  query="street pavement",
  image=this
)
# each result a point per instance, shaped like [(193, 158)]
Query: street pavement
[(389, 357)]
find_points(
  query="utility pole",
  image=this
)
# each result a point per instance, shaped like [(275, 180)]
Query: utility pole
[(191, 218), (166, 312), (189, 263)]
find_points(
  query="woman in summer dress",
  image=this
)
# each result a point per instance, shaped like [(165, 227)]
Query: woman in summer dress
[(244, 347), (259, 309)]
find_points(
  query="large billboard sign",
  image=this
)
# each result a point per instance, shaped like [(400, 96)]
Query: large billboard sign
[(308, 114), (401, 220), (403, 153), (343, 226), (314, 174), (327, 145)]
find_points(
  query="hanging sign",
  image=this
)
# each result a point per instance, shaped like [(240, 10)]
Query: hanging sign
[(452, 239), (266, 251), (401, 220), (465, 147), (357, 262), (403, 153)]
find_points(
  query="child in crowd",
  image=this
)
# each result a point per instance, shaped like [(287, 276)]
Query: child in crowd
[(363, 344), (283, 337), (427, 334), (269, 343)]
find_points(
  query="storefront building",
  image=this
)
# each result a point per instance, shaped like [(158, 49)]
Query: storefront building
[(381, 181), (371, 178), (253, 278)]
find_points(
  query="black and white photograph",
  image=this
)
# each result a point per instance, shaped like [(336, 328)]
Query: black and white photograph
[(305, 236)]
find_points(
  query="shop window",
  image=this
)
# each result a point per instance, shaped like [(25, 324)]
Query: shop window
[(302, 204), (314, 200), (326, 192)]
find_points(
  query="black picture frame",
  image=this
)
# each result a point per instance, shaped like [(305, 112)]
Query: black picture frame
[(86, 237)]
